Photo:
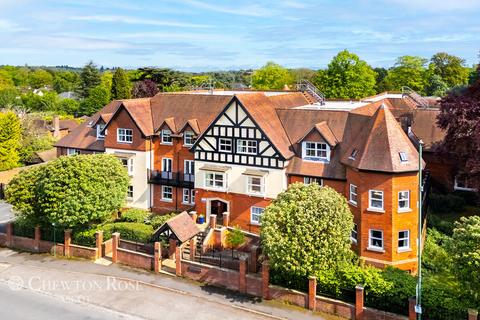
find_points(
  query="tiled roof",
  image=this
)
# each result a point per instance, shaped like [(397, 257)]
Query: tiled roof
[(424, 126), (182, 226)]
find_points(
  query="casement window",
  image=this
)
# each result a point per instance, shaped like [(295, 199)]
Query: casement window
[(188, 139), (404, 201), (189, 167), (167, 165), (256, 215), (353, 155), (72, 151), (225, 145), (462, 183), (353, 194), (166, 136), (310, 180), (124, 135), (375, 200), (247, 146), (188, 196), (130, 192), (375, 239), (167, 193), (100, 133), (315, 151), (354, 233), (403, 156), (255, 185), (404, 240), (128, 164), (215, 180)]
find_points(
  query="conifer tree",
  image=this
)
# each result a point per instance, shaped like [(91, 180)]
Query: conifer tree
[(89, 78), (10, 133), (120, 85)]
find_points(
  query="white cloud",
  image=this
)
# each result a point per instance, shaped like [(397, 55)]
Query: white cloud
[(8, 26), (293, 4), (138, 21), (240, 10)]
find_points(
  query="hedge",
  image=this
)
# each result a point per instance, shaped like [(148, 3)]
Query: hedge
[(134, 215), (22, 228), (133, 231)]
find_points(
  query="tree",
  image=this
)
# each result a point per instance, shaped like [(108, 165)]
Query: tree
[(144, 89), (306, 230), (450, 68), (166, 79), (459, 117), (9, 98), (380, 79), (5, 80), (33, 139), (70, 191), (40, 78), (66, 81), (347, 77), (69, 106), (271, 76), (303, 74), (464, 248), (106, 80), (235, 238), (98, 97), (89, 78), (48, 102), (436, 86), (408, 71), (9, 140), (120, 85)]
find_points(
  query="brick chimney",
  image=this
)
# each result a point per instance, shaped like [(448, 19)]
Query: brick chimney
[(56, 126)]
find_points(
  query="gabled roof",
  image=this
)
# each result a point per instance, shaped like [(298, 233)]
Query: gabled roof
[(170, 123), (182, 226), (141, 113), (324, 130), (424, 126), (379, 145)]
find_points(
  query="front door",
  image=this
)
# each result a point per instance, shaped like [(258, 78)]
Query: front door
[(218, 207)]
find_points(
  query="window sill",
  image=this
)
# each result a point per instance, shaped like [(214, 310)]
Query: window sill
[(404, 210), (166, 143), (324, 160), (130, 199), (260, 195), (376, 210), (166, 200), (352, 203), (353, 241), (256, 224), (400, 250), (188, 145), (215, 189), (374, 249), (124, 142)]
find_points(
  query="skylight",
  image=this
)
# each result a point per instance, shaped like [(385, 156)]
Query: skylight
[(403, 156), (353, 154)]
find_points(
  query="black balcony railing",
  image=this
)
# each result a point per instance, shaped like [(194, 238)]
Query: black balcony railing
[(174, 179)]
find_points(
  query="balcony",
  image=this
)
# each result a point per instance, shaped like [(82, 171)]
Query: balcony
[(174, 179)]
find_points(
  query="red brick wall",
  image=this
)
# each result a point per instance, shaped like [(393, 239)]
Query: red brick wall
[(123, 120), (161, 207), (209, 274), (135, 259), (83, 252)]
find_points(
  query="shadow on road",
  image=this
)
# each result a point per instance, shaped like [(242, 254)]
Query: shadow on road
[(230, 295)]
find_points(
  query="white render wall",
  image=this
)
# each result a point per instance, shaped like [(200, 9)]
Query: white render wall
[(139, 180), (275, 181)]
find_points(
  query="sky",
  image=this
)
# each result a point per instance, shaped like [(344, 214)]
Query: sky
[(194, 35)]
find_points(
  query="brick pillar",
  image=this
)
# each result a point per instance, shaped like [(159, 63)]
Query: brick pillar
[(312, 292), (193, 214), (472, 314), (67, 240), (193, 248), (157, 257), (265, 280), (36, 241), (226, 219), (242, 276), (9, 234), (411, 308), (99, 243), (115, 242), (213, 221), (358, 302), (172, 247), (178, 261), (253, 259)]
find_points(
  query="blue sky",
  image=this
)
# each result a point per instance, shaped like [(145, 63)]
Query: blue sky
[(199, 35)]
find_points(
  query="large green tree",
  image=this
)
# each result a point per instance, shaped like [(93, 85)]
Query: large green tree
[(347, 77), (97, 98), (70, 191), (450, 68), (120, 85), (66, 81), (9, 98), (33, 139), (306, 230), (271, 76), (40, 78), (10, 132), (89, 79), (408, 71)]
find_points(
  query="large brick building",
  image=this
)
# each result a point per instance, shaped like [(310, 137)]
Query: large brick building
[(225, 151)]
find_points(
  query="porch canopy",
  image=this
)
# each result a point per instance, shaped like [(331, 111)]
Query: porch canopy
[(181, 227)]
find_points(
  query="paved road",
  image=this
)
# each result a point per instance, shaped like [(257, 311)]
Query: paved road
[(5, 212)]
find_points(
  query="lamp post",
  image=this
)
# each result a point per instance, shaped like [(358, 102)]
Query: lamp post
[(54, 240), (418, 304)]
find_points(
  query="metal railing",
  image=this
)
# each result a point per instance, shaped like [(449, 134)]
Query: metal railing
[(169, 178), (421, 101), (307, 86)]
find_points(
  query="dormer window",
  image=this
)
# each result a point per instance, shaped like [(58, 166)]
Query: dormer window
[(100, 133), (353, 155), (403, 156), (188, 139), (315, 151), (166, 136)]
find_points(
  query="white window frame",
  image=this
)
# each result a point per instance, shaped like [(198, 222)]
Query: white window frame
[(317, 148), (247, 148), (166, 137), (192, 196), (189, 166), (167, 164), (465, 187), (310, 180), (124, 135), (165, 192), (188, 139), (354, 233), (100, 135), (256, 215), (403, 157), (186, 196), (214, 179), (72, 151), (353, 194), (225, 145), (407, 200), (128, 165), (250, 185), (406, 239), (371, 238), (130, 193), (370, 201)]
